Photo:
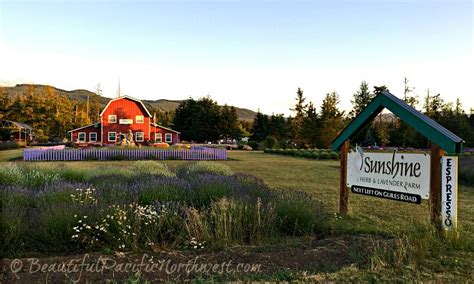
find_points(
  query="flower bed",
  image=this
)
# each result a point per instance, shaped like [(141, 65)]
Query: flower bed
[(145, 206)]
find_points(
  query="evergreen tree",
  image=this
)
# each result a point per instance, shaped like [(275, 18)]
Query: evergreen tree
[(229, 123), (331, 119), (433, 106), (361, 99), (311, 127), (379, 89), (300, 110), (277, 127), (260, 129), (198, 120)]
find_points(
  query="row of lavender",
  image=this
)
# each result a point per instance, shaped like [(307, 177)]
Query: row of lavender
[(103, 154)]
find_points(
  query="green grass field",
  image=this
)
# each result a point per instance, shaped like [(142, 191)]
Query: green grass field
[(416, 253)]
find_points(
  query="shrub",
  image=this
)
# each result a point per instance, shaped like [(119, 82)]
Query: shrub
[(324, 155), (11, 174), (307, 154), (150, 190), (314, 155), (37, 178), (334, 155), (270, 142), (299, 154), (205, 167), (12, 145), (151, 168), (242, 222), (13, 229), (298, 215)]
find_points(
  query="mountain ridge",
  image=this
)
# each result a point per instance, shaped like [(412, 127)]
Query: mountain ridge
[(82, 94)]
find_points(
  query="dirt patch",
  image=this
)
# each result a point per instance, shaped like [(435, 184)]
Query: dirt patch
[(306, 255)]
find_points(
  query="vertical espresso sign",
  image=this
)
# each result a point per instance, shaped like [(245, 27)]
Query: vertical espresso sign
[(449, 190)]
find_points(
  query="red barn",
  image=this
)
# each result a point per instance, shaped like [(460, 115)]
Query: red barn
[(119, 117)]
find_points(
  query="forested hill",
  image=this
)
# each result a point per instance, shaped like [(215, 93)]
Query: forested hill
[(81, 97)]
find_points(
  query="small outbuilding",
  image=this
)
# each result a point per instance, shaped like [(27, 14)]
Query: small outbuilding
[(16, 131)]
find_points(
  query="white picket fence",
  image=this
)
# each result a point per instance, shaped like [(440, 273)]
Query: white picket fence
[(104, 154)]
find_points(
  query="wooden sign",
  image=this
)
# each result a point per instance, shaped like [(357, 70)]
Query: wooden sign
[(376, 177), (396, 176), (125, 121)]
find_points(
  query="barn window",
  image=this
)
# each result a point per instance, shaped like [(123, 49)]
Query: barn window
[(93, 137), (140, 119), (112, 136), (139, 136), (81, 137), (168, 137), (112, 118), (158, 138)]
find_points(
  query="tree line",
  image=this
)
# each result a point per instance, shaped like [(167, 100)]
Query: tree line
[(52, 114), (313, 127), (203, 120)]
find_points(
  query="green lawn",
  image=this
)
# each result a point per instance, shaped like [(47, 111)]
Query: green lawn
[(7, 155), (420, 257)]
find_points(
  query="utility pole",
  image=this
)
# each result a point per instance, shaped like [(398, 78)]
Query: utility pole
[(87, 110)]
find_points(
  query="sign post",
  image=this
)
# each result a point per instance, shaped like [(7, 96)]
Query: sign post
[(435, 188), (406, 177), (343, 191)]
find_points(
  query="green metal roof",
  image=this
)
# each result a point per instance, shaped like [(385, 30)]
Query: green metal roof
[(429, 128)]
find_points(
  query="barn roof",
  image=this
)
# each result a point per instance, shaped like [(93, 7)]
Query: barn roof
[(429, 128), (10, 123), (126, 97), (97, 124), (169, 129)]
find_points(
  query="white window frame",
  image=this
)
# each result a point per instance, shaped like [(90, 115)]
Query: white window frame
[(108, 136), (170, 136), (79, 135), (136, 136), (90, 137), (112, 118), (139, 121), (158, 134)]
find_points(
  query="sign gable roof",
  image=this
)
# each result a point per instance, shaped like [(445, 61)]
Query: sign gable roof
[(429, 128), (129, 98)]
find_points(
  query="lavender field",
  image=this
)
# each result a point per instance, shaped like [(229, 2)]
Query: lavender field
[(145, 206), (274, 210)]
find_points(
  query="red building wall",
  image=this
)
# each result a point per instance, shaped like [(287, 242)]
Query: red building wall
[(125, 109), (93, 128), (157, 129)]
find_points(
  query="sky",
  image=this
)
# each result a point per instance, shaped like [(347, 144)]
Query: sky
[(252, 54)]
